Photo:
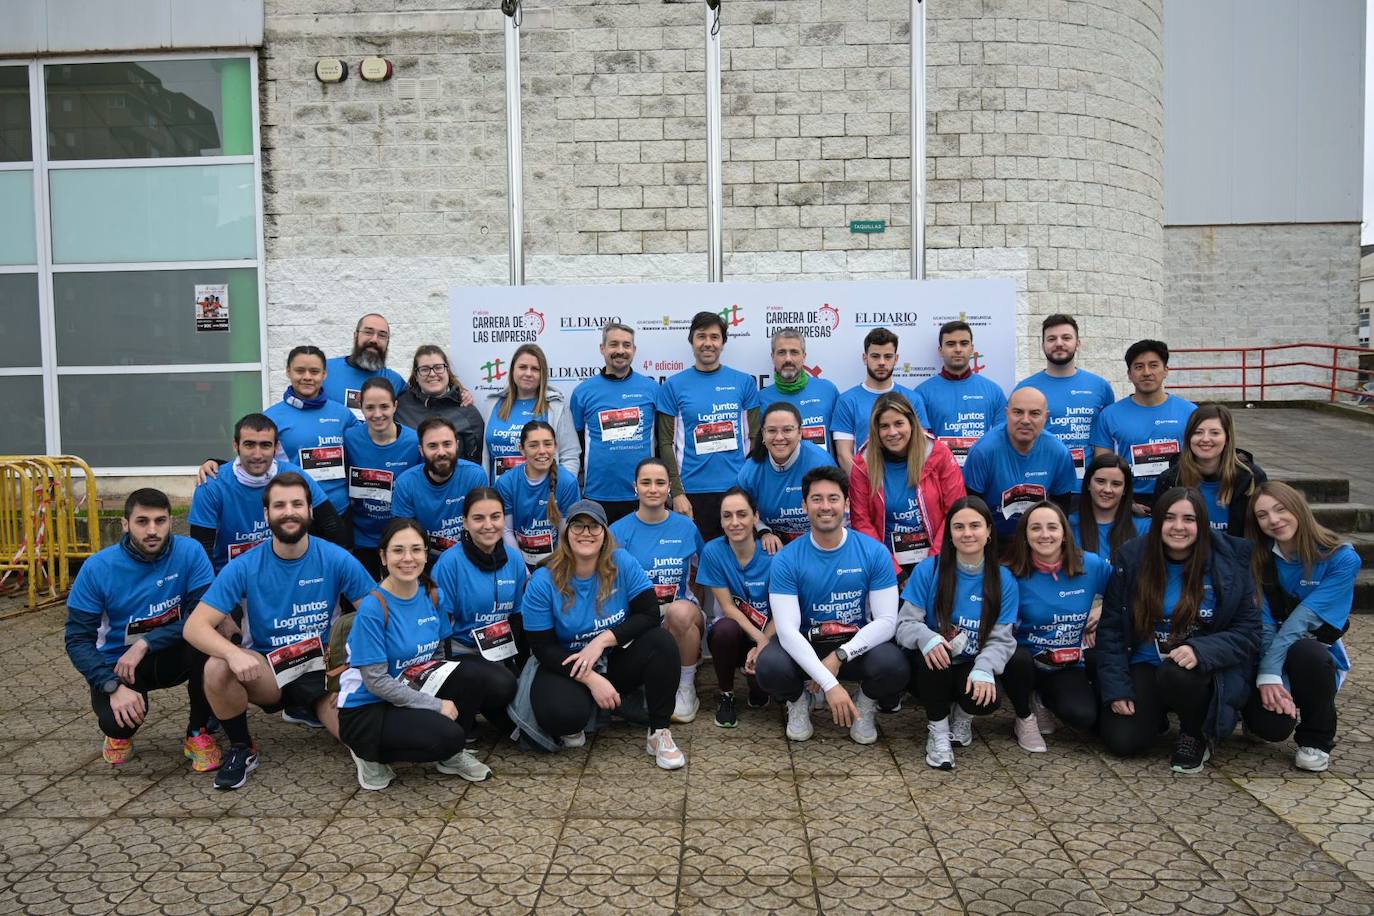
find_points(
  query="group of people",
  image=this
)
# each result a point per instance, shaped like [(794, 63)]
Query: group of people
[(379, 561)]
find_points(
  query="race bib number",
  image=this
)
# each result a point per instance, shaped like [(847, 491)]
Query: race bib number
[(958, 642), (290, 662), (619, 425), (814, 434), (1018, 499), (910, 547), (959, 446), (324, 462), (1150, 459), (353, 400), (535, 547), (711, 438), (428, 677), (756, 617), (495, 641), (438, 543), (508, 463), (139, 628), (828, 636), (371, 484), (1059, 658), (1080, 460), (665, 593), (242, 547), (788, 537)]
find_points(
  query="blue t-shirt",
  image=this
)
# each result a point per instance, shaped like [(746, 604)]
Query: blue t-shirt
[(664, 549), (1104, 533), (962, 412), (1329, 592), (816, 404), (477, 598), (832, 585), (527, 510), (235, 511), (779, 493), (1054, 611), (1152, 649), (967, 617), (408, 635), (712, 424), (289, 601), (1218, 516), (904, 525), (579, 623), (1074, 403), (503, 436), (372, 473), (314, 440), (437, 507), (718, 568), (133, 598), (1147, 437), (1010, 483), (617, 416), (344, 384), (854, 412)]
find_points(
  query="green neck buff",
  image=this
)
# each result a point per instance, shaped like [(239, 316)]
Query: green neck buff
[(793, 386)]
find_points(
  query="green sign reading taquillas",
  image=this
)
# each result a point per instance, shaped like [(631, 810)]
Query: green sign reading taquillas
[(868, 226)]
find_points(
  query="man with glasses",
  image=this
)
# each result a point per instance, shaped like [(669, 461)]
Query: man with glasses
[(345, 374)]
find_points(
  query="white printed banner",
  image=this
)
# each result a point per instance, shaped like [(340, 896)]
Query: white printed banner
[(489, 322)]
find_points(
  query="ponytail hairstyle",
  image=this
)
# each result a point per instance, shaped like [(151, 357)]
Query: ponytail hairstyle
[(759, 450), (541, 397), (1123, 523), (875, 454), (395, 527), (1148, 599), (948, 570), (554, 517), (1231, 467)]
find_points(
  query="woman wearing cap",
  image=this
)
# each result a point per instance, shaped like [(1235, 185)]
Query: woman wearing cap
[(591, 618)]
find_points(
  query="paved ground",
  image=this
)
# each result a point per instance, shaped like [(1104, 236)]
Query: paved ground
[(1311, 443), (754, 824)]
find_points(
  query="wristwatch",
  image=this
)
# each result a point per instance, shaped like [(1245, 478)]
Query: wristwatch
[(110, 686), (842, 655)]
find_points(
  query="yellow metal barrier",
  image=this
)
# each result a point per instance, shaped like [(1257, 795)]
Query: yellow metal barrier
[(47, 520)]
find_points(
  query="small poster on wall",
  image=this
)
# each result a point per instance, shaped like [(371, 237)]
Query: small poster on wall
[(212, 307)]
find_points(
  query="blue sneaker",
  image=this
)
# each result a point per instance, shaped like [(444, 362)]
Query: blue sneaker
[(300, 715), (238, 762)]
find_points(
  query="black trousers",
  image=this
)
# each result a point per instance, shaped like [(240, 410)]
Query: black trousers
[(1159, 690), (1064, 691), (1312, 676), (939, 689), (618, 508), (562, 706), (371, 559), (881, 672), (706, 514), (171, 667)]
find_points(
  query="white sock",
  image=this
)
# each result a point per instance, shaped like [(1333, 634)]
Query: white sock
[(939, 726), (689, 675)]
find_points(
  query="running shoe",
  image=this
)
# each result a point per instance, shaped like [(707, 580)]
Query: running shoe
[(891, 705), (960, 727), (799, 718), (1043, 717), (664, 750), (577, 740), (203, 751), (235, 767), (726, 716), (1312, 759), (464, 764), (1027, 732), (757, 698), (1190, 754), (372, 776), (300, 715), (939, 751), (865, 727), (117, 750), (686, 704)]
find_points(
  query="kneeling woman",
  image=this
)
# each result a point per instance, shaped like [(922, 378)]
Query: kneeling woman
[(1178, 634), (1307, 578), (956, 621), (398, 699), (483, 582), (536, 494), (1104, 520), (591, 619), (1059, 589)]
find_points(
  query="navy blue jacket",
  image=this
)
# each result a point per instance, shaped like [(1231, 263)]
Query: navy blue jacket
[(1226, 645)]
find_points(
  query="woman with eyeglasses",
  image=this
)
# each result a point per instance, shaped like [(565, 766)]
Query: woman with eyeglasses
[(434, 391), (772, 476), (378, 452), (528, 396)]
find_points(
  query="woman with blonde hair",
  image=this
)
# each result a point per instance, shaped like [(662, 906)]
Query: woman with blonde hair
[(527, 396), (1210, 463)]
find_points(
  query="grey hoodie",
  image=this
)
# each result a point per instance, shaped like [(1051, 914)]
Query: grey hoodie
[(569, 448)]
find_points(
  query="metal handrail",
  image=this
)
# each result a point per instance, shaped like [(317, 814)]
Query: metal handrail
[(1264, 366)]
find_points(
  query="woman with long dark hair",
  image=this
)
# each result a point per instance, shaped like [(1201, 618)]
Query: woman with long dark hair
[(1210, 463), (528, 396), (378, 451), (1179, 633), (1104, 520), (483, 582), (955, 622), (773, 473), (536, 494)]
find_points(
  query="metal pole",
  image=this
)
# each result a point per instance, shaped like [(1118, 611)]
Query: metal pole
[(714, 258), (515, 151), (918, 140)]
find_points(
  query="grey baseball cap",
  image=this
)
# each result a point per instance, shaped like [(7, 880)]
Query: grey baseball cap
[(590, 508)]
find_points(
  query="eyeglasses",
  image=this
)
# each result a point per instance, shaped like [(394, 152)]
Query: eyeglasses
[(380, 335), (780, 430), (438, 369), (584, 527)]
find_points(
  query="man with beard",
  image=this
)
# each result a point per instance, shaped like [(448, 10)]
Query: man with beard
[(124, 628), (962, 405), (1075, 396), (226, 509), (854, 408), (290, 590), (614, 413), (433, 493), (814, 397), (345, 374)]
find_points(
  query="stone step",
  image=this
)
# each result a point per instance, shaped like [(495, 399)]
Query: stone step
[(1317, 489), (1364, 592), (1345, 517), (1364, 545)]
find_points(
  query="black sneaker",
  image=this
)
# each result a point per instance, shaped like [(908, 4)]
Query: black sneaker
[(301, 715), (725, 711), (238, 762), (890, 705), (757, 697), (1190, 754)]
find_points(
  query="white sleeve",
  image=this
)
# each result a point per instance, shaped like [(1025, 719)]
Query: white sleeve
[(787, 617), (882, 610)]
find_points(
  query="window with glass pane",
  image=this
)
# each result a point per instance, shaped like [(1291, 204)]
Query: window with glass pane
[(18, 241), (16, 132), (19, 340), (160, 420), (129, 318), (22, 431), (139, 109)]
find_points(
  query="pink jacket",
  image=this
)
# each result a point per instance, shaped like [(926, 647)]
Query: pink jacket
[(941, 484)]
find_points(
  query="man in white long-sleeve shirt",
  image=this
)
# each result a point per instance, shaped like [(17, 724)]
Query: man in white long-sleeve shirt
[(833, 596)]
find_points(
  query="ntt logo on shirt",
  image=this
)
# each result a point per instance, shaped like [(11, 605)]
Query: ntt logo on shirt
[(842, 571), (304, 582)]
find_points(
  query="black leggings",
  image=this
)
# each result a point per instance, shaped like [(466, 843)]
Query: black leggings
[(1312, 678), (881, 672), (938, 689), (1064, 691), (563, 706), (371, 559), (730, 647), (1159, 689), (171, 667)]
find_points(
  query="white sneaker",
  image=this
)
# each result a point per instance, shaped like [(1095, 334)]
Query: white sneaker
[(818, 700), (1312, 759), (1027, 732), (960, 726), (664, 750), (686, 704), (1043, 717), (465, 765), (799, 718), (372, 776), (865, 727), (939, 753), (576, 740)]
